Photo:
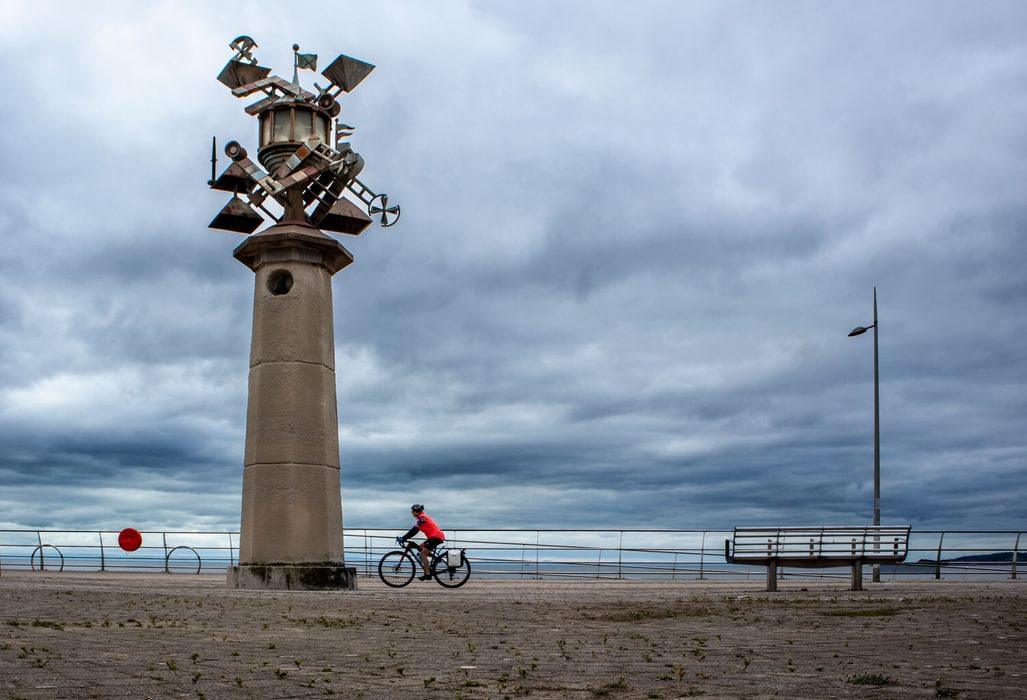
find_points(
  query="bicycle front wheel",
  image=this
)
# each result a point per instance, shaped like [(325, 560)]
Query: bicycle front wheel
[(396, 569), (451, 576)]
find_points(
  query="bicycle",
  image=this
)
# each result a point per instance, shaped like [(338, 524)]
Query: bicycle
[(449, 567)]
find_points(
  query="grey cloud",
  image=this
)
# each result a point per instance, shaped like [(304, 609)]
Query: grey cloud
[(633, 241)]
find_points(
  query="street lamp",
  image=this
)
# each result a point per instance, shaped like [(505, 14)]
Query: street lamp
[(860, 330)]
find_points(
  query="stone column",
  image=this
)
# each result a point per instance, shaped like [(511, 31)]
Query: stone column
[(291, 530)]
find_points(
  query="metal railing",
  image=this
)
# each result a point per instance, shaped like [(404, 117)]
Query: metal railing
[(549, 554)]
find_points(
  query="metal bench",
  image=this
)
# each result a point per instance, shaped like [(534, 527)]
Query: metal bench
[(817, 548)]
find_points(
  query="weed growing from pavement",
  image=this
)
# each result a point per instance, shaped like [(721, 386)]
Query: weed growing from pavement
[(868, 678), (606, 689), (562, 644)]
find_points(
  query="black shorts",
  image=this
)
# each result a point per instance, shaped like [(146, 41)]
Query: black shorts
[(431, 543)]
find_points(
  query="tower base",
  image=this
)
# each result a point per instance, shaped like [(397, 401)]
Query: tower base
[(293, 577)]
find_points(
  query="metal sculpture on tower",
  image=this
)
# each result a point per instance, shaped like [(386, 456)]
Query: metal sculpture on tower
[(307, 163)]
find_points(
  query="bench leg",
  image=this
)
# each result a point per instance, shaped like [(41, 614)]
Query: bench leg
[(857, 576), (772, 575)]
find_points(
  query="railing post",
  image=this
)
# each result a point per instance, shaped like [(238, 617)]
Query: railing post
[(231, 550), (620, 556), (538, 541), (1016, 555), (367, 554), (702, 555), (42, 564), (876, 568), (165, 536), (937, 561), (456, 538), (103, 563)]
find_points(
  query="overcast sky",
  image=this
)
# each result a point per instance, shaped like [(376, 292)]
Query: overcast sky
[(634, 238)]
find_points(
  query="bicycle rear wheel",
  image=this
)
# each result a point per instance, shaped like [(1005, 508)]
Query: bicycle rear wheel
[(396, 569), (451, 576)]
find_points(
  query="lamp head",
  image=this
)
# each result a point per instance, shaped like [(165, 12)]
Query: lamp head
[(859, 330)]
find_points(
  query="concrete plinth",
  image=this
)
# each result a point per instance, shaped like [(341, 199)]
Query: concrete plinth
[(293, 578), (291, 527)]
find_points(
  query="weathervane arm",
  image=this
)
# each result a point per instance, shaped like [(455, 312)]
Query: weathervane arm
[(362, 191), (328, 198), (260, 105), (272, 82), (302, 175), (318, 188), (260, 205), (311, 149), (259, 176)]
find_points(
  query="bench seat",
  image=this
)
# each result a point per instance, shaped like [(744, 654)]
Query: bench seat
[(818, 548)]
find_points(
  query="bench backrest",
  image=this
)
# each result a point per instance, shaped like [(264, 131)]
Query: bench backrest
[(886, 543)]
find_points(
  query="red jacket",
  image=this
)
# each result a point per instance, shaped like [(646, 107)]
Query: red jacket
[(427, 526)]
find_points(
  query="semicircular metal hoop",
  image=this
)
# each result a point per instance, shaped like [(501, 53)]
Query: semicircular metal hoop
[(42, 562), (167, 559), (390, 215)]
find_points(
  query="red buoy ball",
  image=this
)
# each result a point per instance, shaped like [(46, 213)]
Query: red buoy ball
[(129, 539)]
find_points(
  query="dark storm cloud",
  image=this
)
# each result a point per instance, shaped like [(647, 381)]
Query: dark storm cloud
[(633, 241)]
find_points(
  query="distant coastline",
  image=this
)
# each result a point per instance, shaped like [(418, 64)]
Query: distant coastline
[(993, 558)]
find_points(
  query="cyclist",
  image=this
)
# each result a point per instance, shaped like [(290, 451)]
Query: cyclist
[(434, 536)]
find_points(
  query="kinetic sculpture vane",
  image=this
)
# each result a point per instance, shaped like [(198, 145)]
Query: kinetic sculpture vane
[(303, 171)]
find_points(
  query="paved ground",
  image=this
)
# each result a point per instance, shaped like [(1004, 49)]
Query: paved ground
[(164, 636)]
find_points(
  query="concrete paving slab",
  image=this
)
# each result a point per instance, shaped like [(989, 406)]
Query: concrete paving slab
[(104, 635)]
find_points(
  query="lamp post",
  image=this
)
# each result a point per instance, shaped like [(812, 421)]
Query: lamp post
[(860, 330)]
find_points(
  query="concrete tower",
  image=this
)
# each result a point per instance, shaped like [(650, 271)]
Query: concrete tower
[(291, 527), (291, 531)]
